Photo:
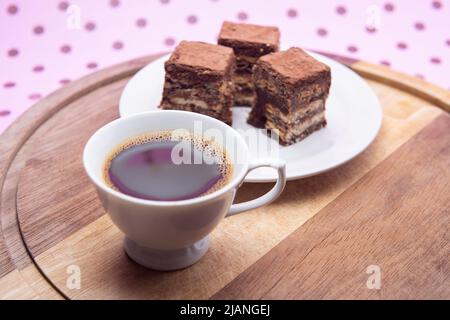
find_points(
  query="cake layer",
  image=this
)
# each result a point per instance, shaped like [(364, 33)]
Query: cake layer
[(243, 79), (257, 116), (293, 139), (244, 64), (198, 103), (300, 97), (199, 78), (199, 98), (204, 90), (270, 89), (273, 122), (244, 90), (289, 134), (249, 39), (300, 115), (244, 98), (216, 89), (291, 89), (193, 77), (281, 105), (249, 42), (206, 57), (294, 68), (295, 126), (243, 84)]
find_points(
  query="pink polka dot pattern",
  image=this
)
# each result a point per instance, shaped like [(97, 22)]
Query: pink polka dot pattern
[(4, 113), (34, 96), (12, 9), (41, 52), (389, 7), (352, 49), (341, 10), (117, 45), (90, 26), (92, 65), (63, 5), (435, 60), (65, 48), (371, 29), (141, 22), (402, 46), (9, 84), (114, 3), (437, 4), (39, 68), (38, 30), (419, 26), (13, 52), (242, 16), (292, 13), (169, 41), (322, 32), (192, 19)]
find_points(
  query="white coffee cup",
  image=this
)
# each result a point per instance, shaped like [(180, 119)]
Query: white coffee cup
[(169, 235)]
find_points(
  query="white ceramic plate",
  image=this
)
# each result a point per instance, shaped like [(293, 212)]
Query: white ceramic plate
[(353, 114)]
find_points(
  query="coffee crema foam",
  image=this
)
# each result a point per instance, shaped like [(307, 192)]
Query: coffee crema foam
[(208, 147)]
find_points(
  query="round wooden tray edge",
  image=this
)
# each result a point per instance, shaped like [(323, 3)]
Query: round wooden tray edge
[(436, 95), (19, 132)]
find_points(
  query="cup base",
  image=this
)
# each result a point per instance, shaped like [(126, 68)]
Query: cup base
[(166, 260)]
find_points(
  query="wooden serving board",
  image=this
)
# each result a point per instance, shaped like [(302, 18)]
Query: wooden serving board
[(388, 207)]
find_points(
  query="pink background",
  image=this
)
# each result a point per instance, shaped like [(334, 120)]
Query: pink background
[(40, 52)]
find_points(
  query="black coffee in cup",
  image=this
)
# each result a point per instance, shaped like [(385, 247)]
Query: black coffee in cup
[(167, 167)]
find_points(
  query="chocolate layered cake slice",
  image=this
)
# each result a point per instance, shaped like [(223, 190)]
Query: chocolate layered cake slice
[(291, 88), (249, 42), (199, 79)]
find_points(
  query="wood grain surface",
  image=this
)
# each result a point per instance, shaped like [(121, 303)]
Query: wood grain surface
[(395, 217), (51, 217), (16, 264), (64, 227), (56, 179), (6, 264)]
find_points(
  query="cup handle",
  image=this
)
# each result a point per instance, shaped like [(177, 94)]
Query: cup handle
[(270, 196)]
